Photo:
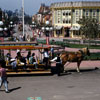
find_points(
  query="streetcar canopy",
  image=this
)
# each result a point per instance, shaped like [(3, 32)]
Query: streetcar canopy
[(22, 45)]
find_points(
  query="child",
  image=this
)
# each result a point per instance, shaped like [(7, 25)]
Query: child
[(3, 77)]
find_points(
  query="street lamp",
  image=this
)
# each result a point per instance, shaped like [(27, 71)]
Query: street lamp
[(1, 23), (33, 26), (47, 29), (1, 29), (11, 27), (2, 35)]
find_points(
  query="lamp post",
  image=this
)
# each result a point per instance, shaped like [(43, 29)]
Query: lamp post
[(11, 27), (33, 27), (5, 31), (47, 30), (1, 30), (2, 36)]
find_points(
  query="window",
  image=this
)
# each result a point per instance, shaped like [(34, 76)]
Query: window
[(58, 20), (76, 13), (94, 13), (69, 13), (87, 13), (69, 21), (63, 13), (77, 19), (64, 21), (66, 13)]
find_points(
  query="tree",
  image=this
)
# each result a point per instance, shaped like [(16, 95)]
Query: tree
[(89, 28)]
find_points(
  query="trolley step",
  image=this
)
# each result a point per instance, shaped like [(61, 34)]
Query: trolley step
[(38, 72)]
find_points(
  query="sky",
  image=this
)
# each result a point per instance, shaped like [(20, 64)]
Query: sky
[(31, 7)]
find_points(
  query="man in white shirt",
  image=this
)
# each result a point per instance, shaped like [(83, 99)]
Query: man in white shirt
[(46, 58), (58, 64)]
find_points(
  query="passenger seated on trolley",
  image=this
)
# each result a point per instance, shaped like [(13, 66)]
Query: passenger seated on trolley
[(7, 58), (28, 56), (11, 61), (21, 60), (32, 60), (13, 64)]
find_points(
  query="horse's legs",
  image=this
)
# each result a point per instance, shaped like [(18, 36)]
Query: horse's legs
[(78, 65)]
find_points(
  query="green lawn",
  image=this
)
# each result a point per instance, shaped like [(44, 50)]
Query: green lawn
[(93, 56), (70, 45), (82, 46)]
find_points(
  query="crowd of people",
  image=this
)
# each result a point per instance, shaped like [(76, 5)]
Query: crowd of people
[(29, 59), (48, 58), (20, 60)]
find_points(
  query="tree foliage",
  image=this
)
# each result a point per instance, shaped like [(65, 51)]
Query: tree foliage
[(89, 28), (14, 16)]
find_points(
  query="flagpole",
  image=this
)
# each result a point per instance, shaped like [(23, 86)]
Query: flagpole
[(23, 16)]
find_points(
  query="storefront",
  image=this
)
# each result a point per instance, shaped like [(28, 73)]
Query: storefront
[(58, 31), (75, 31)]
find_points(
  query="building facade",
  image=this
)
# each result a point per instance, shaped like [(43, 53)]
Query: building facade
[(42, 15), (65, 16)]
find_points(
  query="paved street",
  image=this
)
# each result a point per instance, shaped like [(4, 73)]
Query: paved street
[(74, 86), (57, 22)]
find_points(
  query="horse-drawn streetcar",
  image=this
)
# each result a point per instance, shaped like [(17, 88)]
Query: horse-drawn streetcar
[(12, 49)]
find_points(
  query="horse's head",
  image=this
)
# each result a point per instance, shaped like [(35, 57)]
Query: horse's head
[(86, 51)]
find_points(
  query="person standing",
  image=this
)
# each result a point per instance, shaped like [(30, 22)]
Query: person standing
[(3, 77), (58, 64), (52, 52), (46, 58)]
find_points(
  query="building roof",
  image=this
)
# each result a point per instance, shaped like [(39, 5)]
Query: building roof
[(76, 4), (43, 9)]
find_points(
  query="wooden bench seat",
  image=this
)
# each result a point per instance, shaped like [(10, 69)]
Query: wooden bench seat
[(21, 67)]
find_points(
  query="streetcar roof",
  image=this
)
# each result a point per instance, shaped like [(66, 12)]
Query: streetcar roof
[(22, 45)]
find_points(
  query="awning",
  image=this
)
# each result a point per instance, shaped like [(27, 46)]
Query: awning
[(58, 27), (75, 28)]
